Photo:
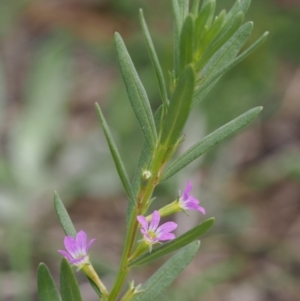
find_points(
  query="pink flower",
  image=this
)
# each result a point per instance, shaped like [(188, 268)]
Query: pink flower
[(187, 201), (154, 234), (77, 249)]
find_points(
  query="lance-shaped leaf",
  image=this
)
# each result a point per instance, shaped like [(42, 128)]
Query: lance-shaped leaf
[(69, 288), (186, 43), (209, 278), (183, 9), (166, 274), (210, 141), (95, 287), (46, 286), (115, 154), (224, 35), (146, 155), (211, 14), (239, 6), (201, 23), (221, 58), (175, 244), (63, 216), (136, 92), (155, 61), (195, 7), (208, 82), (176, 33), (179, 108), (212, 33), (144, 161)]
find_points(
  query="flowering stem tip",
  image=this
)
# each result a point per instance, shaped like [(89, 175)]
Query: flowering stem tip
[(77, 254), (153, 234), (187, 201), (77, 249)]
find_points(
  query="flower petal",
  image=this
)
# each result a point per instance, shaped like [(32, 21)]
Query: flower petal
[(187, 190), (192, 199), (79, 260), (167, 236), (193, 206), (89, 245), (154, 221), (65, 254), (201, 209), (143, 221), (165, 228), (81, 241), (71, 246)]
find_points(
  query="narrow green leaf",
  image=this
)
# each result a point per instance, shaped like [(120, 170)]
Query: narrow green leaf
[(202, 22), (46, 286), (63, 216), (183, 9), (186, 43), (239, 6), (177, 30), (69, 288), (208, 82), (248, 51), (209, 18), (210, 141), (202, 283), (211, 34), (115, 154), (179, 107), (166, 274), (220, 59), (180, 11), (144, 161), (175, 244), (95, 287), (136, 92), (195, 7), (155, 61), (146, 155), (224, 35)]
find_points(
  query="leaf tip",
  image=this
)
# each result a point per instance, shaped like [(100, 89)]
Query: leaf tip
[(40, 267), (56, 197), (117, 37), (266, 34)]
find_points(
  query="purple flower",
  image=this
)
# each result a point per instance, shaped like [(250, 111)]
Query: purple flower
[(154, 234), (187, 201), (77, 249)]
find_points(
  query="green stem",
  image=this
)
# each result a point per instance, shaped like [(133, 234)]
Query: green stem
[(124, 270), (144, 195)]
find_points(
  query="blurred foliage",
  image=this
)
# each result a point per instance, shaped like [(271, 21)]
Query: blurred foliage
[(57, 59)]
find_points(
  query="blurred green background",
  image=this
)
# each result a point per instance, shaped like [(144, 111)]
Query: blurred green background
[(57, 59)]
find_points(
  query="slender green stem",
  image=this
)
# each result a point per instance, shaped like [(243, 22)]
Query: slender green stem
[(144, 195), (124, 270)]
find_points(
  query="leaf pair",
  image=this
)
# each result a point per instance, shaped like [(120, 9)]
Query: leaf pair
[(69, 288)]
